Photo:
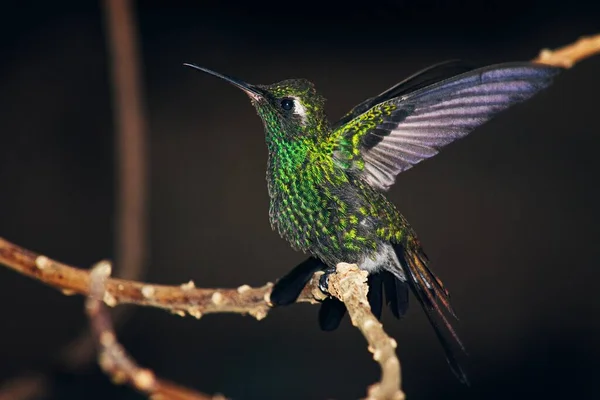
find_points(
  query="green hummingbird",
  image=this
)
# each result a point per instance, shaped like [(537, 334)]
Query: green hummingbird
[(327, 182)]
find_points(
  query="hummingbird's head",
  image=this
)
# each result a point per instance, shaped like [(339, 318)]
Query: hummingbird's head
[(289, 109)]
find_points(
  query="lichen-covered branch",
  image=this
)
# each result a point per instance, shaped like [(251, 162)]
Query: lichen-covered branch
[(182, 299), (349, 284), (571, 54), (113, 358)]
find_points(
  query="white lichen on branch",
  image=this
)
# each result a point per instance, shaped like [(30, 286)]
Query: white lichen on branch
[(180, 299)]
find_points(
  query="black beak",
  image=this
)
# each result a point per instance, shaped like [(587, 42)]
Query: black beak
[(252, 91)]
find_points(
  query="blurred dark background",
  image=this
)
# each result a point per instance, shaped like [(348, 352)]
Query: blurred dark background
[(509, 216)]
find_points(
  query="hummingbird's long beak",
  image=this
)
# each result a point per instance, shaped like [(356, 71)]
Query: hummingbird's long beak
[(251, 90)]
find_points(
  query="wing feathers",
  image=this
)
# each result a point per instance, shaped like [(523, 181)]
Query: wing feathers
[(423, 78), (434, 116)]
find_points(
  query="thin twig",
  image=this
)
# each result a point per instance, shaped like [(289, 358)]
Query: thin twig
[(113, 358), (571, 54), (130, 245)]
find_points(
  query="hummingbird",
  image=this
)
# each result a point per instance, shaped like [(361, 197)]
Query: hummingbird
[(327, 181)]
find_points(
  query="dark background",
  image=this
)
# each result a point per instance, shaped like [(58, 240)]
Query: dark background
[(508, 216)]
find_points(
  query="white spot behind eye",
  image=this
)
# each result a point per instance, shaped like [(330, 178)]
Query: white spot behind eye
[(300, 110)]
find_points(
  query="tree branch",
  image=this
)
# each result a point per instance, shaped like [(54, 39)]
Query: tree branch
[(571, 54), (130, 138), (349, 285), (113, 358), (131, 146), (182, 299)]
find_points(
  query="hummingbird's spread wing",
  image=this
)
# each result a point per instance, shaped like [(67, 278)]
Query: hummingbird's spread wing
[(428, 76), (393, 135)]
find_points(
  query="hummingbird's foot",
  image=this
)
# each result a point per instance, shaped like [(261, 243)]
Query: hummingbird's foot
[(324, 280), (332, 310)]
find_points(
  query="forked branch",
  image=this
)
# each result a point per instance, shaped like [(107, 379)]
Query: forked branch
[(349, 285), (113, 358)]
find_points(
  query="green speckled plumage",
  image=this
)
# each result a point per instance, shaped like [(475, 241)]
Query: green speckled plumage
[(350, 136), (319, 204)]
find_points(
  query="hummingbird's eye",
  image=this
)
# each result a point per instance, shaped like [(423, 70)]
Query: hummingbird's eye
[(287, 104)]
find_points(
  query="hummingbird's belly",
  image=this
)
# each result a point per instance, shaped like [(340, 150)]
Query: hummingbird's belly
[(372, 261), (383, 258)]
